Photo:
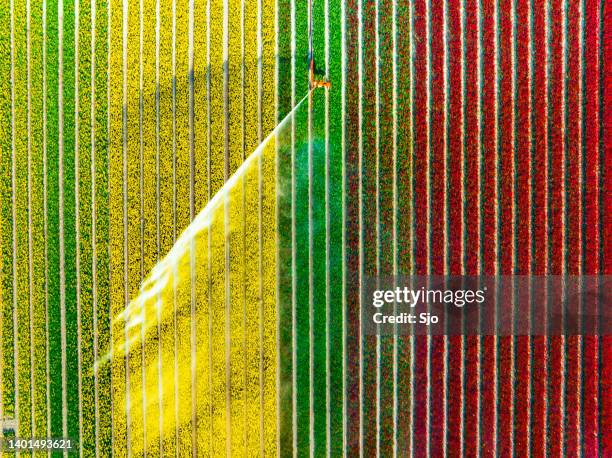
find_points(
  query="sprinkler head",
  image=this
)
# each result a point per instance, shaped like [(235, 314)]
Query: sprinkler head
[(320, 83), (313, 81)]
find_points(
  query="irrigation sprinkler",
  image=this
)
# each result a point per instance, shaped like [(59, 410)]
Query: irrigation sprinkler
[(313, 82)]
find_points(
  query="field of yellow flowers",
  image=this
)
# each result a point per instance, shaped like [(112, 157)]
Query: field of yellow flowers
[(121, 120)]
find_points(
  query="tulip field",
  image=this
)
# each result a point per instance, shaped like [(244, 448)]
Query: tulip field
[(186, 226)]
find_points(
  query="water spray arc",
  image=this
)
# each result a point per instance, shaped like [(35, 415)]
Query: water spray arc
[(198, 259)]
